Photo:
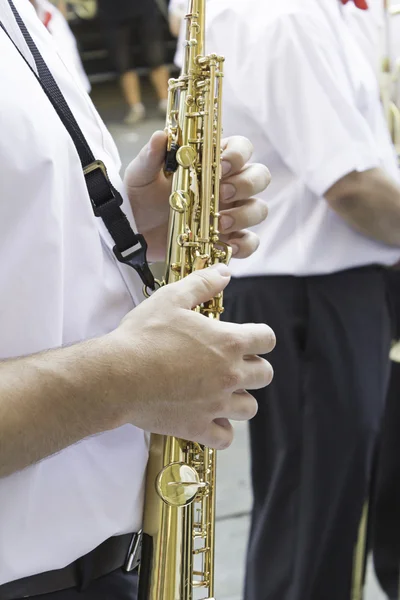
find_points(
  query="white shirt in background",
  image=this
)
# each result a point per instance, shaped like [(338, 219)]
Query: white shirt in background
[(297, 84), (368, 27), (377, 34), (60, 284)]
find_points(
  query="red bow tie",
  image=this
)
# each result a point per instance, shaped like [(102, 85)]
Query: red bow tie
[(359, 3)]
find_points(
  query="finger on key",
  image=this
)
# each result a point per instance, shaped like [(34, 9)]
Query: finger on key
[(257, 373), (243, 243), (242, 406), (243, 214), (253, 179), (237, 151), (251, 338), (219, 434)]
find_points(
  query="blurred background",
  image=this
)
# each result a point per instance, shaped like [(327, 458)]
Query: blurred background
[(84, 21), (99, 74)]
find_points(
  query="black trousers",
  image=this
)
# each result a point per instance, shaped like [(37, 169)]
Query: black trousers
[(144, 31), (313, 439), (386, 513), (115, 586)]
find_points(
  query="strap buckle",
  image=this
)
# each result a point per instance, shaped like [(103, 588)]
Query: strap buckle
[(98, 165), (133, 556)]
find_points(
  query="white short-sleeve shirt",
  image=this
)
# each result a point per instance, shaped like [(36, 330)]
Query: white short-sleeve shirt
[(368, 28), (59, 284), (378, 34), (297, 84)]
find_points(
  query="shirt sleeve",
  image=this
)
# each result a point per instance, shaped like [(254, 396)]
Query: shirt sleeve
[(309, 111)]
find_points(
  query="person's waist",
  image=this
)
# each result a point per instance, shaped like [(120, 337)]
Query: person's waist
[(314, 242), (372, 268), (119, 552), (270, 260)]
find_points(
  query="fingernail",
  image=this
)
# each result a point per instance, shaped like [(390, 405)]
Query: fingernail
[(235, 249), (222, 269), (227, 191), (226, 222), (226, 167)]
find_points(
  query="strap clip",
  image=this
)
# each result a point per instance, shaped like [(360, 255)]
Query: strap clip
[(134, 552), (136, 257)]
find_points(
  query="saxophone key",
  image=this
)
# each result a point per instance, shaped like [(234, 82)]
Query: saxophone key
[(186, 156)]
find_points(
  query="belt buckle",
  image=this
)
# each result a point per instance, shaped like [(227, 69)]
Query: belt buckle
[(133, 556)]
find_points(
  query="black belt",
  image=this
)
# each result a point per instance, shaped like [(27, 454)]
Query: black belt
[(115, 553)]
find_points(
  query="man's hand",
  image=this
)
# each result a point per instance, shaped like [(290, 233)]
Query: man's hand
[(148, 191), (166, 369), (184, 374)]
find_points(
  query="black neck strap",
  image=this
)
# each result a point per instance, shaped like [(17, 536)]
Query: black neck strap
[(130, 247)]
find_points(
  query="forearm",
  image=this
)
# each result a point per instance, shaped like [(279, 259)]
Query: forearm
[(381, 223), (371, 205), (52, 400)]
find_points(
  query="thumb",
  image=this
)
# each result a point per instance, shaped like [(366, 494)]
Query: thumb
[(146, 167), (200, 286)]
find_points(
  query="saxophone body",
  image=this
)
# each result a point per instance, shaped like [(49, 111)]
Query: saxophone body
[(177, 561)]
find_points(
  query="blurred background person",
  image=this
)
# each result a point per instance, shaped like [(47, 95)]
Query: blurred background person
[(385, 517), (378, 33), (176, 12), (53, 18), (122, 19), (61, 5), (298, 84), (177, 25), (396, 49), (389, 68)]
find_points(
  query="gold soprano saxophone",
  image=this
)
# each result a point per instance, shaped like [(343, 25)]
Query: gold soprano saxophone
[(177, 561)]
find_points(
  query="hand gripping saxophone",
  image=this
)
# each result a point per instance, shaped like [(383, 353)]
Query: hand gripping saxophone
[(177, 560)]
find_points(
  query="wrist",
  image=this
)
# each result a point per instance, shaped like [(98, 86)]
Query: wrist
[(117, 365), (85, 375)]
